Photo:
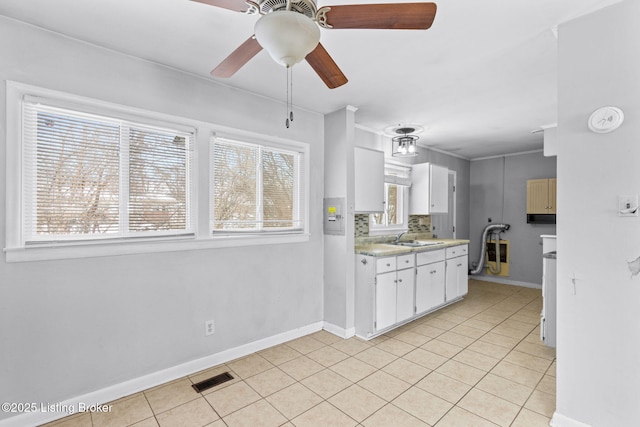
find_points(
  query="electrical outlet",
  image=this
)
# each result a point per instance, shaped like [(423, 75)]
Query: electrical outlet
[(628, 205), (209, 327)]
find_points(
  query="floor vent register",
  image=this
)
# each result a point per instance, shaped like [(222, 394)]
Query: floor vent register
[(212, 382)]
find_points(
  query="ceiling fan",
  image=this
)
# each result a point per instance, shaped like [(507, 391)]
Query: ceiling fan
[(288, 30)]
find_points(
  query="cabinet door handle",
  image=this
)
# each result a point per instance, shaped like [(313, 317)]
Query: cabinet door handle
[(400, 280), (388, 265), (406, 261), (459, 265)]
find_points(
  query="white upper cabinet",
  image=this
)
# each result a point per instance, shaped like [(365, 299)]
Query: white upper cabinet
[(438, 189), (369, 180), (429, 189)]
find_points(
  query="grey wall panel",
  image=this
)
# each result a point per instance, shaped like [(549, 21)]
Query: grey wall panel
[(498, 190)]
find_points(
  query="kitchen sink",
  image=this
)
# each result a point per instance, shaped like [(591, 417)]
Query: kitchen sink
[(416, 243)]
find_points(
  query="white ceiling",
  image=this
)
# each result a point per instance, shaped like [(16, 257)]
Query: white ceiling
[(479, 81)]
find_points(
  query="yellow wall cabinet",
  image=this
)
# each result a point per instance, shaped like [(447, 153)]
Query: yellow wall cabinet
[(541, 201)]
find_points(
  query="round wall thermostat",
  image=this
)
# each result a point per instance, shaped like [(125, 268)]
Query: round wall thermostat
[(606, 119)]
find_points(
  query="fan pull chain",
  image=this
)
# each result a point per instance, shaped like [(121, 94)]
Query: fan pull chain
[(286, 122), (289, 106)]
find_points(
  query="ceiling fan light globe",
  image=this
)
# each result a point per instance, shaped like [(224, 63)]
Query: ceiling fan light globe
[(288, 36)]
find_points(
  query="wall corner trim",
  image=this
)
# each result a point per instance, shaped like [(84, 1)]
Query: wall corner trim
[(339, 331)]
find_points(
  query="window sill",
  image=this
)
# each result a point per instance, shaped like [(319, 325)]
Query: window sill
[(92, 250)]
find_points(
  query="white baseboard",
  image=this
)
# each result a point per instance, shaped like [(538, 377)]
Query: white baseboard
[(136, 385), (559, 420), (339, 331), (502, 281)]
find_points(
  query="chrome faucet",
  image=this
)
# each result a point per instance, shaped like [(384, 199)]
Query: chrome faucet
[(399, 236)]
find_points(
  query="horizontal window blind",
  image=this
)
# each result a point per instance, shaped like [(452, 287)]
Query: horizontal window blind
[(396, 174), (235, 186), (256, 188), (93, 177), (158, 181)]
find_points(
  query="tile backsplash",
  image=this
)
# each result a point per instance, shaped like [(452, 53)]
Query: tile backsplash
[(417, 224), (362, 225)]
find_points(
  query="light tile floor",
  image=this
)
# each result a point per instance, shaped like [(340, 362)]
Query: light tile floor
[(478, 362)]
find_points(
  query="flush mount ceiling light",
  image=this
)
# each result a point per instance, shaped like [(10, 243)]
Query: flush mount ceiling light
[(404, 143)]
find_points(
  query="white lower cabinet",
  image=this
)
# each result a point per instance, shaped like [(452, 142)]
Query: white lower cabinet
[(385, 300), (404, 295), (429, 280), (393, 290), (394, 299), (457, 279), (457, 272)]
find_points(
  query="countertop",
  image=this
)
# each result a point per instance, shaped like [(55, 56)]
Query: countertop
[(387, 249)]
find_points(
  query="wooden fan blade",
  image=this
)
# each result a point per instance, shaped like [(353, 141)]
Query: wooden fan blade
[(325, 67), (235, 5), (237, 58), (393, 16)]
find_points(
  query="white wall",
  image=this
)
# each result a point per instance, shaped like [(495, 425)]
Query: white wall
[(499, 191), (74, 326), (341, 137), (339, 270), (598, 354)]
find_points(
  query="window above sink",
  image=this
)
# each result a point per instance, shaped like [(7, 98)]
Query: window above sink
[(395, 217)]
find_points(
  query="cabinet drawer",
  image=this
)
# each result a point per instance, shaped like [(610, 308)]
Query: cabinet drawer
[(428, 257), (405, 261), (385, 264), (455, 251)]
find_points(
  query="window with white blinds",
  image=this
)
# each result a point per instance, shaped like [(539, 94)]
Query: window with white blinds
[(256, 188), (88, 176)]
